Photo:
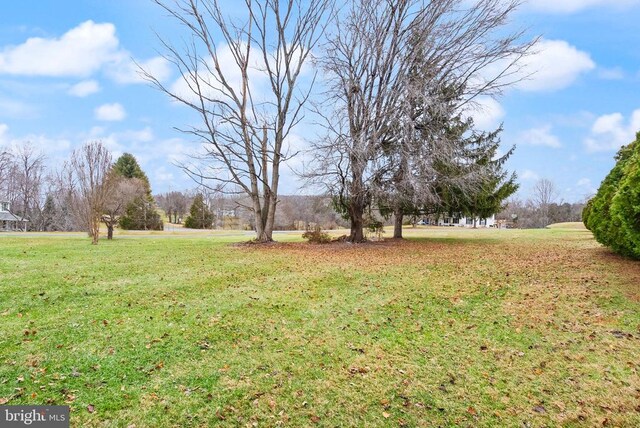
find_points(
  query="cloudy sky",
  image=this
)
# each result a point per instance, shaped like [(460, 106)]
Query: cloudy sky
[(67, 76)]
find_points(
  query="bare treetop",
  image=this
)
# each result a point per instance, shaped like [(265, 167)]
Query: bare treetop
[(390, 63), (243, 76)]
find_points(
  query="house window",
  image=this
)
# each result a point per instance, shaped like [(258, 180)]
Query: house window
[(4, 206), (469, 220), (456, 221)]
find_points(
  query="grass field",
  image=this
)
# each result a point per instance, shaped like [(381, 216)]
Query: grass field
[(452, 327)]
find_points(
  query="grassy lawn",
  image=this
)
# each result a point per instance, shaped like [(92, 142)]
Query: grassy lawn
[(450, 328)]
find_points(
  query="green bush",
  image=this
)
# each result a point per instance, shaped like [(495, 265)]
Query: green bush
[(200, 216), (613, 215), (586, 212), (317, 236), (375, 228), (141, 214)]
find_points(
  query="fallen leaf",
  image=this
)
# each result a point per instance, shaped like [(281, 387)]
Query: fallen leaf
[(91, 408), (3, 400), (386, 415)]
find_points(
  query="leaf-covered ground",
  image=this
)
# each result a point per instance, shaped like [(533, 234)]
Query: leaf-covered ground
[(449, 328)]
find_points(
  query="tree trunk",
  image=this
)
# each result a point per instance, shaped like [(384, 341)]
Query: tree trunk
[(264, 233), (109, 231), (397, 223), (95, 232), (271, 218), (357, 223), (357, 201)]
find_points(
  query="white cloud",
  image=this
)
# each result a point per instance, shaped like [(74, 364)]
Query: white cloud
[(51, 147), (84, 88), (571, 6), (586, 186), (528, 175), (144, 135), (80, 52), (555, 65), (214, 89), (161, 174), (611, 131), (110, 112), (540, 137), (488, 114), (259, 84), (615, 73), (16, 109), (127, 71)]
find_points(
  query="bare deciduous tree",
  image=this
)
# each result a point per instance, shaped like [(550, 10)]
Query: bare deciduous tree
[(544, 194), (381, 55), (22, 180), (175, 205), (243, 76), (89, 172)]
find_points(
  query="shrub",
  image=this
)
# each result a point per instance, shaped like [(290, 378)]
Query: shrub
[(316, 236), (613, 215), (200, 216), (375, 228), (586, 212)]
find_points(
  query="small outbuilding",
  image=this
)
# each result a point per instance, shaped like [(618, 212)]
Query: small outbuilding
[(10, 222)]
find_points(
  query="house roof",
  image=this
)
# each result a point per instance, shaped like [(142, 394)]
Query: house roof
[(7, 216)]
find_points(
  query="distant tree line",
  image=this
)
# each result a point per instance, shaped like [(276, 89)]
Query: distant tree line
[(86, 190), (205, 209), (35, 193), (541, 209)]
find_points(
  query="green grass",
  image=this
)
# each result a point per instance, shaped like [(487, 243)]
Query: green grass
[(451, 328)]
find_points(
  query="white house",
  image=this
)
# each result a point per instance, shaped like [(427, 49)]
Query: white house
[(461, 221), (10, 222)]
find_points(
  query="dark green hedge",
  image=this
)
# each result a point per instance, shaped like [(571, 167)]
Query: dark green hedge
[(613, 215)]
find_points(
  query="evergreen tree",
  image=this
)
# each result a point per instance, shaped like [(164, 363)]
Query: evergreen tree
[(200, 216), (142, 212), (493, 185), (128, 167), (49, 215), (443, 165), (613, 215)]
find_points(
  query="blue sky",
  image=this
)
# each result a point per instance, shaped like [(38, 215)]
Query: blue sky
[(66, 76)]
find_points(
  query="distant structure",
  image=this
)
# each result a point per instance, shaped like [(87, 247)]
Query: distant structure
[(10, 222), (460, 221)]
